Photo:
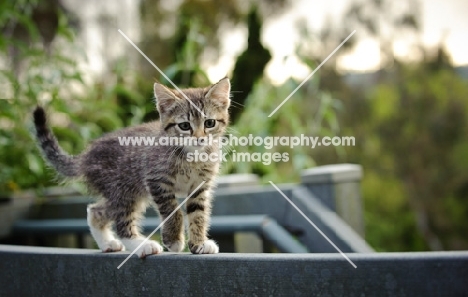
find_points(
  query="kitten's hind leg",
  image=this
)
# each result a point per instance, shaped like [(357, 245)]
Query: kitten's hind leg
[(100, 227), (127, 219)]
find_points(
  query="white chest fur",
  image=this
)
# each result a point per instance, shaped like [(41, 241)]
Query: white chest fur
[(187, 179)]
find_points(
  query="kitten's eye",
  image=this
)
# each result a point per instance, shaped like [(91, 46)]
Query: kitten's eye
[(184, 126), (210, 123)]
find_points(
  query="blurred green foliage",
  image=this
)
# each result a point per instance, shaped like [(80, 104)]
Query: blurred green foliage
[(36, 75), (313, 113), (411, 133), (411, 138), (22, 167)]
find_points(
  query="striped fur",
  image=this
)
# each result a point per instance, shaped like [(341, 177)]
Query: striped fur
[(126, 176)]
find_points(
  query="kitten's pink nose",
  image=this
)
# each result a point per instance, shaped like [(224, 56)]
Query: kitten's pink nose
[(198, 134)]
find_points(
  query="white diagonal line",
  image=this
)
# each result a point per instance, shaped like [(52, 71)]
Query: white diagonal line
[(160, 71), (313, 72), (313, 225), (160, 225)]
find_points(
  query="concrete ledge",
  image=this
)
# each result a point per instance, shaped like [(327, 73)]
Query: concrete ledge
[(12, 209), (332, 174), (338, 187), (328, 222), (30, 271), (237, 180)]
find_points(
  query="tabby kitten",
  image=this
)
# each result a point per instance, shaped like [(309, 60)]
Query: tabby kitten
[(128, 178)]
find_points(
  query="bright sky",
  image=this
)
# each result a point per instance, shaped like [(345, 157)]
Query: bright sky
[(442, 20)]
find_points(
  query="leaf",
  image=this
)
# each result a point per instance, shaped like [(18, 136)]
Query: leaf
[(35, 163), (171, 71)]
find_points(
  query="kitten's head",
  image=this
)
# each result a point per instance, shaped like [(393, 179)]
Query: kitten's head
[(201, 112)]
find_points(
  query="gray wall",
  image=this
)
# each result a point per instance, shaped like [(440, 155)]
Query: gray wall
[(29, 271)]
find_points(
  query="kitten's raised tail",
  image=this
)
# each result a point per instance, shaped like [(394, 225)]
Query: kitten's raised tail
[(65, 164)]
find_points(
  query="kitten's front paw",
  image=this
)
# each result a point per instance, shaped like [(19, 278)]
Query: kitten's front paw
[(112, 246), (150, 247), (208, 247)]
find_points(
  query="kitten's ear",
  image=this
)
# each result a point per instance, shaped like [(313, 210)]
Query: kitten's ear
[(219, 92), (165, 99)]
